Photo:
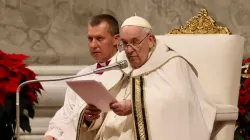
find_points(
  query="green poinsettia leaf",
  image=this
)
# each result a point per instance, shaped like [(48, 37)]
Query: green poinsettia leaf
[(1, 112), (10, 109), (31, 111), (238, 137), (248, 116), (8, 105), (25, 123), (22, 104)]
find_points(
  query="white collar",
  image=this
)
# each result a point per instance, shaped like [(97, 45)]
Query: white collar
[(159, 57), (110, 78)]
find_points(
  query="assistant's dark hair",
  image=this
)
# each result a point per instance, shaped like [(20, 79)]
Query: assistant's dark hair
[(112, 22)]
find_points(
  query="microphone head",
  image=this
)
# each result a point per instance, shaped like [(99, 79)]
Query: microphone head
[(122, 64)]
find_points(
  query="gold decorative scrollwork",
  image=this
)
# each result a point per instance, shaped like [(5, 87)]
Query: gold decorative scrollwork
[(201, 24), (244, 70)]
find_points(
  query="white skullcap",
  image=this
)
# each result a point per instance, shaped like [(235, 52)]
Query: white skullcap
[(136, 21)]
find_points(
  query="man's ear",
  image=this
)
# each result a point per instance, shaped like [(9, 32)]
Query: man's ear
[(116, 39), (151, 41)]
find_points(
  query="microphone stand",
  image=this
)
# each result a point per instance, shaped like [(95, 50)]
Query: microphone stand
[(118, 65), (34, 81)]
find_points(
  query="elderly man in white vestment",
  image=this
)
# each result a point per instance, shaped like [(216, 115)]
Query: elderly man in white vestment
[(160, 97), (103, 37)]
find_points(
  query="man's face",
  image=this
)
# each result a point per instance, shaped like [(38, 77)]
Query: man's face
[(140, 44), (102, 45)]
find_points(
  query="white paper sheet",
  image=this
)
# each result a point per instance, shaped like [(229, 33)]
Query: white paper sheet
[(92, 92)]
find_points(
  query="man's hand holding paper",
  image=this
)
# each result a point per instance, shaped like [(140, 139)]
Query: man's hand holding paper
[(122, 108), (91, 113)]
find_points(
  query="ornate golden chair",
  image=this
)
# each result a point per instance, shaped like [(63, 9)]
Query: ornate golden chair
[(217, 56)]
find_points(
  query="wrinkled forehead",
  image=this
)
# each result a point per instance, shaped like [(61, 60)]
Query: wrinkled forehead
[(130, 32)]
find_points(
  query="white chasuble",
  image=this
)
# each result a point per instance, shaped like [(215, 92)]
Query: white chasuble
[(168, 102)]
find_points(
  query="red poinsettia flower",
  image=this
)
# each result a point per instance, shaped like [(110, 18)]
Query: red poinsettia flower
[(244, 97), (246, 61), (12, 73), (4, 72), (243, 128)]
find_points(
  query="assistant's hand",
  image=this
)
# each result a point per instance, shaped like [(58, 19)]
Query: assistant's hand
[(91, 113), (122, 108), (48, 138)]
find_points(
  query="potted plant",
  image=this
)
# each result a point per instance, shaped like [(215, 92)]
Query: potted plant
[(12, 73), (242, 131)]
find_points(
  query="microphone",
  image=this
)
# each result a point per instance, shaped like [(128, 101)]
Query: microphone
[(116, 66), (120, 65)]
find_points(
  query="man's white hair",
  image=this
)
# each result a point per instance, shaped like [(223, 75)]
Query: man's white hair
[(147, 30)]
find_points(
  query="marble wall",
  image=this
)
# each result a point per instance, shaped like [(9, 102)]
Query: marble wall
[(54, 31)]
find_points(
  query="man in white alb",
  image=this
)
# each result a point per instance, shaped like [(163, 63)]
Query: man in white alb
[(103, 36), (161, 97)]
